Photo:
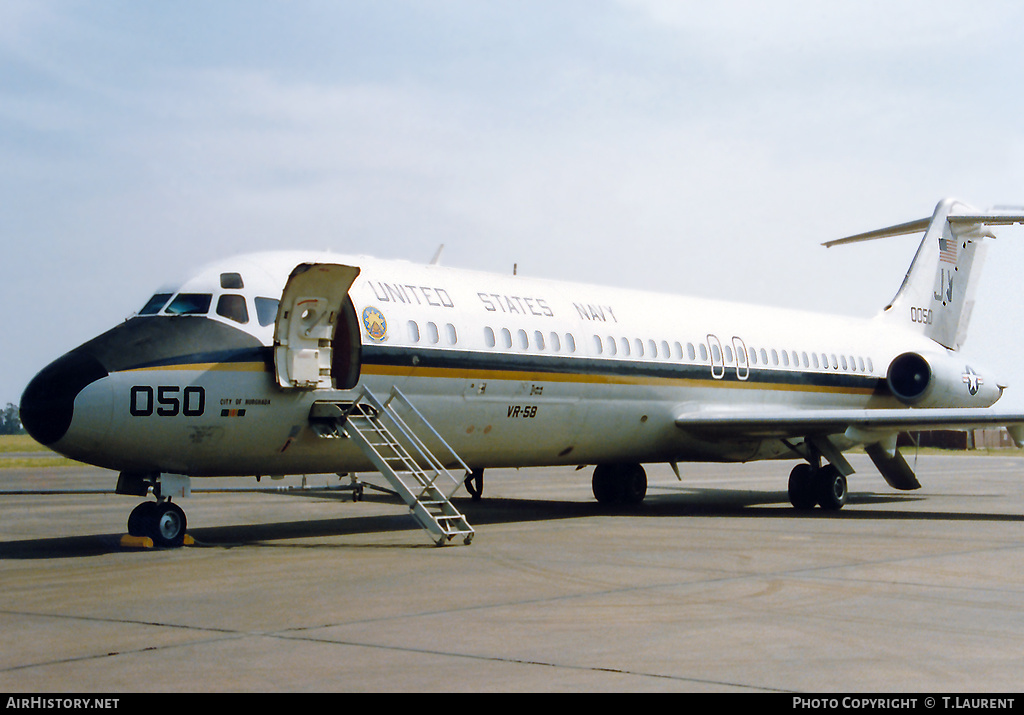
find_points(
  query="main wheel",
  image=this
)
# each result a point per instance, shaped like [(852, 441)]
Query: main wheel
[(831, 488), (633, 484), (802, 493), (475, 484), (620, 483), (605, 485)]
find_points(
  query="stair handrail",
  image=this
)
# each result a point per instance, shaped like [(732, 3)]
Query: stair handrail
[(429, 459), (397, 393)]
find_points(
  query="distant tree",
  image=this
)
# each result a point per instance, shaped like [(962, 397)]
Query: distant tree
[(10, 420)]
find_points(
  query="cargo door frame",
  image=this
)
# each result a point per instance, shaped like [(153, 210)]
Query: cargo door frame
[(316, 335)]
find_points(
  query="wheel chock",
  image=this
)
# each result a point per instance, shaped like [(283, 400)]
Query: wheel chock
[(136, 542), (144, 542)]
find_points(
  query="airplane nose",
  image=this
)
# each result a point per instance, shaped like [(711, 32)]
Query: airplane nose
[(48, 403)]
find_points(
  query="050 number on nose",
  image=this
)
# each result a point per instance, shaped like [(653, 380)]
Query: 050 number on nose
[(167, 401)]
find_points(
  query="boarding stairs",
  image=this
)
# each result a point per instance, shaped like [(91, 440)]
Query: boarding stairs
[(412, 469)]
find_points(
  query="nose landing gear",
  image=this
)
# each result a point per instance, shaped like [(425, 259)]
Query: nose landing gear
[(164, 522)]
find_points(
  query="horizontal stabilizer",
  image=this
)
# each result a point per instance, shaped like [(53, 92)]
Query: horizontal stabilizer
[(988, 218), (899, 230)]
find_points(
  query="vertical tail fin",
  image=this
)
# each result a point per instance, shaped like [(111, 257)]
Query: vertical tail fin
[(937, 294)]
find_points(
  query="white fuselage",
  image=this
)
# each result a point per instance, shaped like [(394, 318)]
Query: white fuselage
[(511, 371)]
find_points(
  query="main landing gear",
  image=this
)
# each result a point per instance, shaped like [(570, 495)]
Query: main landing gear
[(823, 486), (620, 484)]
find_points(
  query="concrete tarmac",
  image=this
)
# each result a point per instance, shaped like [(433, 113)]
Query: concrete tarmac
[(715, 584)]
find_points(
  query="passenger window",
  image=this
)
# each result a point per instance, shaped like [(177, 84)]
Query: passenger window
[(432, 335), (703, 353), (690, 352), (231, 281), (233, 308), (598, 344), (506, 338), (489, 340), (764, 357), (453, 336), (625, 346), (556, 345), (570, 342), (190, 304), (524, 342), (266, 310), (155, 303), (414, 331), (538, 339), (611, 345)]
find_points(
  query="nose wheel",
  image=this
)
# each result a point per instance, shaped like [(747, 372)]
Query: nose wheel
[(164, 522)]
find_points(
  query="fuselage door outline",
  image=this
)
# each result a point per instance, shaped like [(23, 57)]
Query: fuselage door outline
[(742, 366), (717, 357)]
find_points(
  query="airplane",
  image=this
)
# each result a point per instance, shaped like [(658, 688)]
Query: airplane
[(270, 364)]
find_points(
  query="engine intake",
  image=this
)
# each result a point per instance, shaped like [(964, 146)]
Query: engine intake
[(939, 381), (909, 378)]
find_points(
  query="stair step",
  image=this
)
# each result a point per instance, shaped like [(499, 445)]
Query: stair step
[(391, 452)]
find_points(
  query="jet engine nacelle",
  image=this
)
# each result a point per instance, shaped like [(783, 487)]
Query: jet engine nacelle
[(940, 381)]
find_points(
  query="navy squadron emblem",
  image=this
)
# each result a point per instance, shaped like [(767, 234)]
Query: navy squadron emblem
[(972, 380), (375, 324)]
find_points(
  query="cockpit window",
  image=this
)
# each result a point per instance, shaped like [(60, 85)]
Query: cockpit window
[(233, 308), (231, 281), (190, 304), (155, 303), (266, 310)]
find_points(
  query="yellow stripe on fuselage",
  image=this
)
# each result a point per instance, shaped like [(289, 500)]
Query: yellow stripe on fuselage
[(532, 375), (599, 379)]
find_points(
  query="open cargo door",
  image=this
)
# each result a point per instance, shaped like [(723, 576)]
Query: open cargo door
[(316, 338)]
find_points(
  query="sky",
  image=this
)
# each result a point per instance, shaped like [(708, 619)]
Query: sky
[(686, 147)]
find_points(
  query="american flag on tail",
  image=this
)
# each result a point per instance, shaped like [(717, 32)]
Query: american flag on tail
[(947, 250)]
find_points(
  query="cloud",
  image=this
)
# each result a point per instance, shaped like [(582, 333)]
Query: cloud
[(686, 147)]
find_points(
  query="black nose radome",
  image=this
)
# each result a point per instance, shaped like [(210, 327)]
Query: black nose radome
[(48, 403)]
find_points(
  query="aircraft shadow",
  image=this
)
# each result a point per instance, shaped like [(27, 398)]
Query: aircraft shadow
[(677, 503)]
